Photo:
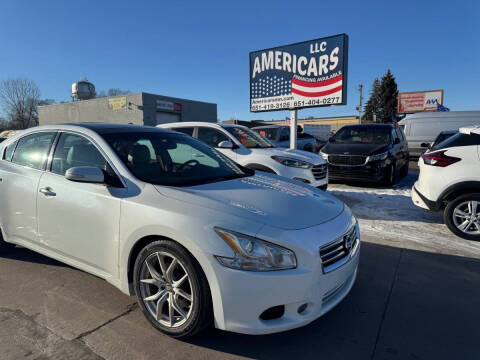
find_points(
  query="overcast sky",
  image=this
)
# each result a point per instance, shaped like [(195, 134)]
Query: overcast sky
[(199, 49)]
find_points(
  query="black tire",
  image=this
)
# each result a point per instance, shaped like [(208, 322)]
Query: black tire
[(4, 246), (449, 218), (404, 169), (390, 175), (201, 314)]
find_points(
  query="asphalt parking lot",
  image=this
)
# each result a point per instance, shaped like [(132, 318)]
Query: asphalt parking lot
[(416, 297)]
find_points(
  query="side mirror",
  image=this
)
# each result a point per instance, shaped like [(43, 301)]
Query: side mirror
[(331, 139), (86, 174), (425, 145), (225, 144), (396, 141)]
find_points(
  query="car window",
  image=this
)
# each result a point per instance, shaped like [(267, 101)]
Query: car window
[(75, 150), (285, 134), (32, 150), (211, 136), (185, 152), (179, 160), (186, 130), (399, 134), (7, 155), (458, 139), (248, 138), (269, 133), (363, 134)]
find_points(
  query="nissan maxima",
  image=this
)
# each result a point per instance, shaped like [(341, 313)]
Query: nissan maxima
[(197, 238)]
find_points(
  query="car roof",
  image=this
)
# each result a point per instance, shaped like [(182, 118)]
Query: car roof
[(188, 123), (470, 130), (370, 125), (268, 126)]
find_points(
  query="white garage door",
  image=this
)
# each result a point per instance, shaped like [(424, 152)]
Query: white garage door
[(166, 117)]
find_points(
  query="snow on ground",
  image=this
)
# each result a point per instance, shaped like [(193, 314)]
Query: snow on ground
[(388, 216)]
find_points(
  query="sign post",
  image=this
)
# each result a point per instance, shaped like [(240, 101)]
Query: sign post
[(302, 75), (293, 128)]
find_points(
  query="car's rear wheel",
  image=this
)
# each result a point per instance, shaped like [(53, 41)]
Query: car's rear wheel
[(462, 216), (172, 289)]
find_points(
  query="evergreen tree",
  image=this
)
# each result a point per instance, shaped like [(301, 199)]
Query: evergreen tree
[(373, 102), (387, 98)]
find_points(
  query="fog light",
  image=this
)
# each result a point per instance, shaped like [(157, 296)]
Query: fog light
[(302, 308), (272, 313), (302, 180)]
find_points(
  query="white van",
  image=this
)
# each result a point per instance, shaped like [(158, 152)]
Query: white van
[(422, 128)]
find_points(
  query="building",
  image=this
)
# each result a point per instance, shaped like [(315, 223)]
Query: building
[(334, 122), (139, 109)]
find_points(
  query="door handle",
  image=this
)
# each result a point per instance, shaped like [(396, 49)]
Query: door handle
[(47, 191)]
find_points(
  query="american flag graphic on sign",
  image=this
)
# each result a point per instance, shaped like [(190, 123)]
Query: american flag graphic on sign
[(307, 74)]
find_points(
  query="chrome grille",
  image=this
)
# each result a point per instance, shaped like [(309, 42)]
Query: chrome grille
[(339, 251), (347, 160), (319, 171)]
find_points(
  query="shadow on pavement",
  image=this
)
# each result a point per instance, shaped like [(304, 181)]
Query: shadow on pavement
[(405, 304)]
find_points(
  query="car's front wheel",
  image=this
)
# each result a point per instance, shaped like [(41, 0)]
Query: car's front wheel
[(172, 290), (390, 175), (4, 246), (462, 216)]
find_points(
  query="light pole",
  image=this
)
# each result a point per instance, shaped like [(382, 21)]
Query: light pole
[(359, 107)]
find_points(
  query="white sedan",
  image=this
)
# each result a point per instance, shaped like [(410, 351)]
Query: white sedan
[(197, 238), (253, 151)]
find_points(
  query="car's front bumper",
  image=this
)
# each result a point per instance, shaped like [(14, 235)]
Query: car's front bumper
[(246, 295), (372, 172), (310, 176)]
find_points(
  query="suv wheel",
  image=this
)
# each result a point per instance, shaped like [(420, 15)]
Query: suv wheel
[(391, 174), (462, 216), (172, 290)]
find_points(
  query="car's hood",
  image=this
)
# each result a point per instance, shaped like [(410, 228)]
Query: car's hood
[(267, 199), (354, 149), (290, 153)]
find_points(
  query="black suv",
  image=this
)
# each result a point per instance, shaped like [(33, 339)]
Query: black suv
[(369, 152)]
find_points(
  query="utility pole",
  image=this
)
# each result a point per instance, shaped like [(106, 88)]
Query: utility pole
[(359, 107)]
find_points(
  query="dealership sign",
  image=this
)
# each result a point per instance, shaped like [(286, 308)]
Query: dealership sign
[(307, 74), (168, 105), (418, 101)]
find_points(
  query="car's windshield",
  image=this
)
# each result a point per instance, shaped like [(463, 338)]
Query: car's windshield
[(269, 133), (441, 137), (248, 138), (172, 159), (363, 135)]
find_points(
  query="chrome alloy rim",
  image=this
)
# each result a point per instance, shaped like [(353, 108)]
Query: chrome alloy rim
[(166, 289), (466, 217)]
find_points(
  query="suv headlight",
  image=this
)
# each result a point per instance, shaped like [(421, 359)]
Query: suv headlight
[(292, 162), (381, 156), (323, 155), (252, 254)]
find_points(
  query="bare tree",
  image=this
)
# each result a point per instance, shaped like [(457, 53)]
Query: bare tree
[(117, 92), (19, 99)]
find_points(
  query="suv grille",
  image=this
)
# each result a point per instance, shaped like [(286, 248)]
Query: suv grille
[(347, 160), (339, 252), (319, 171)]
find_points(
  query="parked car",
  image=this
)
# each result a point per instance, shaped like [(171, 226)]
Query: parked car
[(196, 237), (249, 149), (4, 135), (424, 127), (444, 135), (367, 152), (280, 136), (449, 181)]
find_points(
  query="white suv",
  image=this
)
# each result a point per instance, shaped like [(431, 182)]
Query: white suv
[(253, 151), (449, 181)]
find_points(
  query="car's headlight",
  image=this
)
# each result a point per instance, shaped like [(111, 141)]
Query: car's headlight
[(292, 162), (323, 155), (252, 254), (381, 156)]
